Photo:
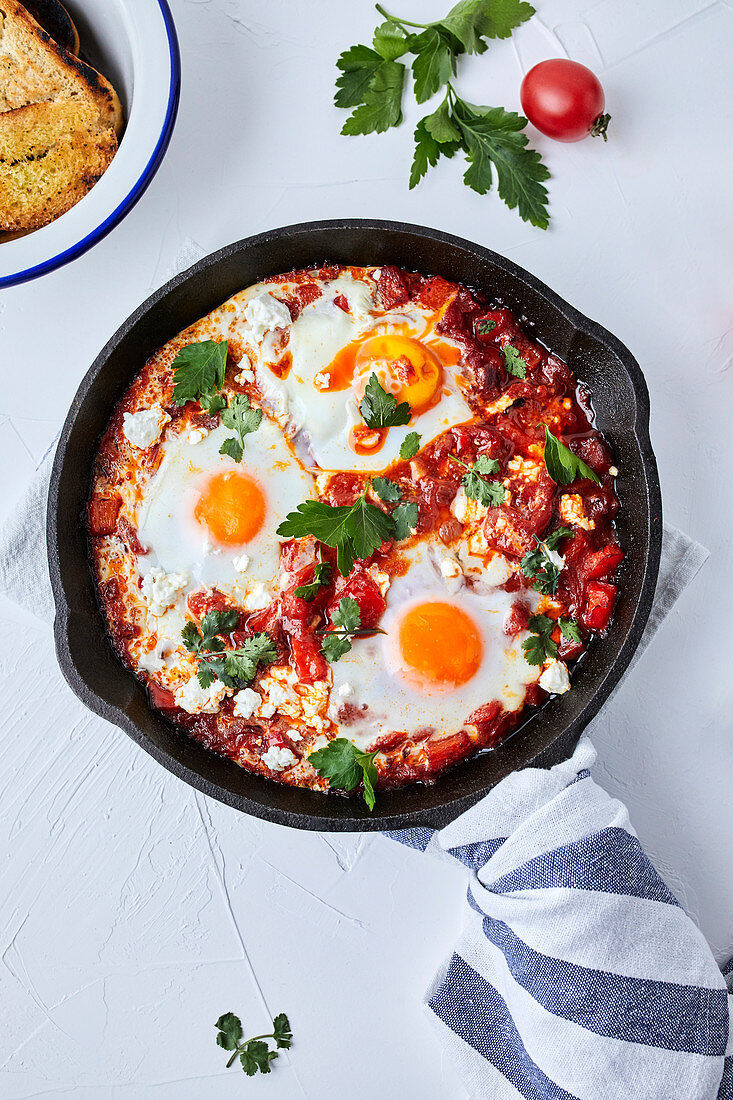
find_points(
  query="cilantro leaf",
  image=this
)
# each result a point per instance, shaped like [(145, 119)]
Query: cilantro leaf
[(386, 490), (212, 402), (540, 647), (358, 65), (348, 615), (570, 629), (553, 540), (242, 419), (562, 464), (475, 482), (321, 577), (484, 327), (390, 42), (380, 409), (382, 101), (191, 637), (491, 137), (207, 673), (217, 622), (230, 1031), (254, 1054), (241, 664), (198, 370), (434, 62), (410, 446), (346, 625), (334, 646), (345, 767), (513, 361), (405, 518), (539, 567)]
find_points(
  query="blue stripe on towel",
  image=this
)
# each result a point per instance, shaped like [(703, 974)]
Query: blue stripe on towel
[(477, 854), (636, 1010), (476, 1011), (611, 860), (413, 838)]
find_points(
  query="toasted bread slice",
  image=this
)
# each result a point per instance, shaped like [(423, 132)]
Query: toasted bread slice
[(56, 21), (51, 154), (35, 69)]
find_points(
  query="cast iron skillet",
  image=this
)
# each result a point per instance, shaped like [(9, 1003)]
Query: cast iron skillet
[(621, 402)]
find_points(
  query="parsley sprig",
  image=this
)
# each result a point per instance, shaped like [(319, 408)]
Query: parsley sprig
[(380, 409), (562, 464), (234, 667), (372, 80), (541, 566), (476, 484), (541, 646), (254, 1054), (242, 419), (346, 626), (345, 767), (198, 373), (353, 530)]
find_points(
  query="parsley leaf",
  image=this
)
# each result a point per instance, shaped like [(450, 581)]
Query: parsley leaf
[(358, 65), (345, 767), (242, 419), (562, 465), (380, 409), (390, 42), (381, 105), (471, 21), (386, 490), (410, 446), (405, 518), (426, 155), (434, 62), (475, 483), (198, 370), (543, 565), (321, 577), (346, 625), (540, 647), (513, 361), (254, 1054), (354, 531), (570, 629)]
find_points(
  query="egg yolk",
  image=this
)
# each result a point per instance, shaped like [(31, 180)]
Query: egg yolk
[(416, 370), (440, 645), (231, 507)]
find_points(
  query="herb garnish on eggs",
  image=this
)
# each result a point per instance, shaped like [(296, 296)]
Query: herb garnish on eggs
[(543, 565), (234, 667), (198, 371), (475, 482), (346, 625), (410, 446), (380, 409), (541, 646), (562, 464), (241, 418), (321, 578), (345, 766)]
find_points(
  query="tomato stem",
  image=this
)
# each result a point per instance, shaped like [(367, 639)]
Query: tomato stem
[(600, 126)]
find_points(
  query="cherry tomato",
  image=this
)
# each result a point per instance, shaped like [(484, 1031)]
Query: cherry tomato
[(564, 100)]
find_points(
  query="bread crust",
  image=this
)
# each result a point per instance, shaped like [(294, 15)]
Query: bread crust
[(53, 18), (34, 68)]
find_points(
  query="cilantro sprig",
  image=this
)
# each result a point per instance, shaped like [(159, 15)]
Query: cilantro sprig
[(380, 409), (476, 484), (198, 373), (346, 622), (254, 1054), (541, 565), (562, 464), (234, 667), (541, 646), (345, 767), (352, 530), (321, 578), (386, 490), (372, 81), (515, 364), (242, 419)]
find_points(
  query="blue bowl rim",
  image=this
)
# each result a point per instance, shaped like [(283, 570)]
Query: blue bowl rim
[(141, 184)]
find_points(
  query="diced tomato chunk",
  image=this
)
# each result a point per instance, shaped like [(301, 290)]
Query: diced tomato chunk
[(342, 302), (160, 697), (517, 619), (363, 588), (299, 298), (307, 659), (600, 600), (129, 536), (507, 530), (102, 515), (391, 288), (434, 292), (602, 563), (447, 750)]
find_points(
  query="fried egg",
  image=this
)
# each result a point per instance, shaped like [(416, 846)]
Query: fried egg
[(444, 654), (316, 385), (210, 521)]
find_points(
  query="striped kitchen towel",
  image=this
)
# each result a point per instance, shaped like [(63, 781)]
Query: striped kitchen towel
[(578, 974)]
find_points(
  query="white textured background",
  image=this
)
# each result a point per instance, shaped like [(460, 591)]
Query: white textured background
[(133, 911)]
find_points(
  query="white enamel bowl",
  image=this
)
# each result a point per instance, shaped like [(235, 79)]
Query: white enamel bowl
[(134, 43)]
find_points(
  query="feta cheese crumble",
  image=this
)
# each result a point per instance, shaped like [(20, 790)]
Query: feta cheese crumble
[(555, 678), (197, 435), (143, 428), (246, 374), (572, 511), (241, 563), (246, 702), (193, 698), (263, 313), (278, 759), (160, 589)]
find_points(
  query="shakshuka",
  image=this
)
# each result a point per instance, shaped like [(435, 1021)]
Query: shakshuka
[(351, 525)]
